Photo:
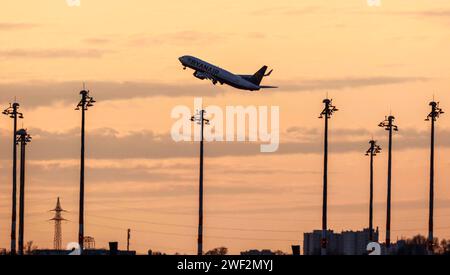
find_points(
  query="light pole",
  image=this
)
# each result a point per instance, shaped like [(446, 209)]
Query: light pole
[(326, 114), (372, 151), (199, 118), (85, 102), (12, 112), (22, 138), (432, 116), (388, 125), (128, 239)]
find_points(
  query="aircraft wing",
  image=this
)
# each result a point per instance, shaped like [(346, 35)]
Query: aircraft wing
[(204, 75), (268, 87)]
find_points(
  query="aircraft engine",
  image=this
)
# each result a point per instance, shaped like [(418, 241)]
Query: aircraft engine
[(200, 75)]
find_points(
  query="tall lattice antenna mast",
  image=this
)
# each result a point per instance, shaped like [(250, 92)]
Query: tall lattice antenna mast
[(57, 239)]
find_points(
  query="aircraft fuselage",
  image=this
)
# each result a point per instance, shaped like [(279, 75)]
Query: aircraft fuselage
[(205, 70)]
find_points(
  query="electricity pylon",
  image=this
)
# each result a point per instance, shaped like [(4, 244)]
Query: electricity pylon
[(57, 238)]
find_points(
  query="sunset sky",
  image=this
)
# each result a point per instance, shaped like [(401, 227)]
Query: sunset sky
[(370, 60)]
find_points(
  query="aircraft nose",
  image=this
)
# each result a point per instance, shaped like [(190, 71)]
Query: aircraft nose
[(181, 59)]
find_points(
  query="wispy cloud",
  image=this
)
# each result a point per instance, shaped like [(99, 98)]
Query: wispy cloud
[(286, 10), (344, 83), (38, 93), (177, 38), (436, 13), (50, 53), (35, 93), (16, 26), (97, 40), (109, 144)]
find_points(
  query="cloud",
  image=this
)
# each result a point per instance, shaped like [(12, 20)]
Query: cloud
[(51, 53), (36, 93), (436, 13), (356, 207), (109, 144), (345, 83), (16, 26), (180, 38), (97, 40), (287, 10)]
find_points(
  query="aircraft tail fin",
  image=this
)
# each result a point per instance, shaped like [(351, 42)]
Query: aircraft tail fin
[(258, 76)]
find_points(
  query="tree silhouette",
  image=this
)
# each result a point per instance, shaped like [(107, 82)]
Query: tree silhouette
[(218, 251), (29, 248)]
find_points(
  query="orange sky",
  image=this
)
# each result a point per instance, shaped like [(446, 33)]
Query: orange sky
[(370, 60)]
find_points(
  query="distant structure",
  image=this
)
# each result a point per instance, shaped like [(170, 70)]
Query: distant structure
[(113, 250), (344, 243), (57, 238), (255, 252), (89, 242)]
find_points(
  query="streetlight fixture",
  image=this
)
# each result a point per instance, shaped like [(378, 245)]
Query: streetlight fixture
[(326, 114), (22, 138), (85, 102), (12, 112), (388, 125), (199, 118), (432, 116), (372, 151)]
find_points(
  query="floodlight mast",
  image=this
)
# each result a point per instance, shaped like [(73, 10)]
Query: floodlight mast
[(388, 125), (372, 151), (200, 119), (432, 116), (12, 112), (22, 138), (85, 102), (326, 114)]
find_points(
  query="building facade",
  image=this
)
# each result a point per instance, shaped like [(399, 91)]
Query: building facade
[(344, 243)]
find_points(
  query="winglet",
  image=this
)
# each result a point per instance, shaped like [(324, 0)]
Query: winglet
[(269, 73)]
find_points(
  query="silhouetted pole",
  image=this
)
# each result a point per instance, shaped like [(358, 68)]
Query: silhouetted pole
[(389, 126), (85, 102), (373, 151), (12, 112), (23, 138), (434, 114), (128, 239), (200, 119), (326, 113)]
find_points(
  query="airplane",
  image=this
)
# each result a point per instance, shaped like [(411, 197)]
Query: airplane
[(204, 70)]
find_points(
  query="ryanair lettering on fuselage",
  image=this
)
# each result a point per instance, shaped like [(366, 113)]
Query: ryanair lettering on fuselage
[(203, 66)]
